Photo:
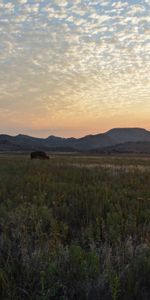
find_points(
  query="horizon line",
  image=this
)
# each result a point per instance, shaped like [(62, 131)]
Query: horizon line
[(72, 137)]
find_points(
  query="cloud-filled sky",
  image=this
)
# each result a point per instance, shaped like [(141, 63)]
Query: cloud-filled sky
[(73, 67)]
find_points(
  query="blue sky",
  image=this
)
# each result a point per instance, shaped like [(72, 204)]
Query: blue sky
[(74, 67)]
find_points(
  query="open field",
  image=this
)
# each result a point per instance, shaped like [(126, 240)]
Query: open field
[(74, 227)]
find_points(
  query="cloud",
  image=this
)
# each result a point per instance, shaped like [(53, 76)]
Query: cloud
[(120, 4), (67, 58), (136, 9), (22, 1)]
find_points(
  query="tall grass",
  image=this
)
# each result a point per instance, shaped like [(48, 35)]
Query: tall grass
[(74, 233)]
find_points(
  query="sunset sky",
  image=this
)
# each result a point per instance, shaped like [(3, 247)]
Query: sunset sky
[(74, 67)]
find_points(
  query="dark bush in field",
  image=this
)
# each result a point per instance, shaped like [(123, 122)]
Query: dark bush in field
[(72, 231)]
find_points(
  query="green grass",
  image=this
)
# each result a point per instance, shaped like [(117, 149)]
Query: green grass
[(72, 231)]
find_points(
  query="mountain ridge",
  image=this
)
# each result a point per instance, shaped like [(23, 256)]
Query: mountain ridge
[(110, 138)]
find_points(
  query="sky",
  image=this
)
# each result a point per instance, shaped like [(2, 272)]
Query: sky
[(74, 67)]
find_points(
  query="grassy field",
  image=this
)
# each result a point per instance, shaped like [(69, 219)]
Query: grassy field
[(74, 227)]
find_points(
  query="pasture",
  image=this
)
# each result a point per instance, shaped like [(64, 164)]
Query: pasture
[(74, 227)]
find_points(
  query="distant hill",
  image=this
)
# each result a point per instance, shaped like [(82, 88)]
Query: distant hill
[(123, 135), (121, 139), (129, 147)]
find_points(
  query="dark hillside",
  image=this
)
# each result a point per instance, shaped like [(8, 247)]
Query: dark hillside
[(129, 147), (90, 142)]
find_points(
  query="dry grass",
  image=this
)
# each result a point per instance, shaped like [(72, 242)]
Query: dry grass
[(74, 227)]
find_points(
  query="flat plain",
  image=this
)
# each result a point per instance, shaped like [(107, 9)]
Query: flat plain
[(75, 227)]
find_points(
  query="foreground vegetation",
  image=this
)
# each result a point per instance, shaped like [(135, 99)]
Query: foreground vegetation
[(72, 231)]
